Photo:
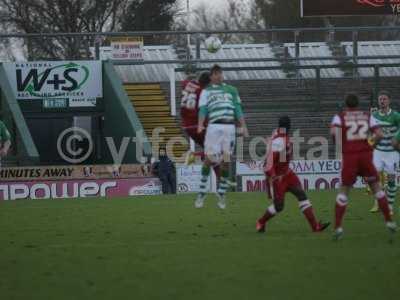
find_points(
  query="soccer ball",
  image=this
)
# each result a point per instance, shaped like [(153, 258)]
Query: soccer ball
[(213, 44)]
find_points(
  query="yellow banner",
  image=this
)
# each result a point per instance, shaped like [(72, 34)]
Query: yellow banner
[(74, 172)]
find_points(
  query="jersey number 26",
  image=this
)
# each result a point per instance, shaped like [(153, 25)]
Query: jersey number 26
[(188, 100)]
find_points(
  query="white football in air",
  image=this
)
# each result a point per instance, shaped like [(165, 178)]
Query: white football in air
[(213, 44)]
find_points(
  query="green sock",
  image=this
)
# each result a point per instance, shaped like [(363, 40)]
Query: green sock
[(391, 192), (205, 172), (223, 185), (224, 173)]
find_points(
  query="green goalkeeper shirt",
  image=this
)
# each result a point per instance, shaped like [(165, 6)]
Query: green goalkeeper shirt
[(220, 103), (390, 124)]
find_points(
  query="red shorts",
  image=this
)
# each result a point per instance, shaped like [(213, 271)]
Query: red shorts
[(198, 138), (358, 164), (282, 185)]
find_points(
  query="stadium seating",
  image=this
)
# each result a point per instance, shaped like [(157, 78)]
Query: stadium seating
[(266, 94), (315, 50), (160, 72), (265, 100), (153, 109), (372, 48)]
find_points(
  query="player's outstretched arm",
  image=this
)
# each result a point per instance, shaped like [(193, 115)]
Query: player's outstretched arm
[(396, 141), (203, 111), (396, 144), (335, 131), (242, 127), (200, 125), (377, 133), (335, 128), (276, 153), (376, 136)]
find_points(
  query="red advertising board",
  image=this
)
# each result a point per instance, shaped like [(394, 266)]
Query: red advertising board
[(314, 8), (257, 183), (53, 189), (74, 172)]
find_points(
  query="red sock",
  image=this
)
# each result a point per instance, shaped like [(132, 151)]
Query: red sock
[(339, 213), (200, 153), (269, 214), (340, 209), (217, 171), (309, 214), (384, 206)]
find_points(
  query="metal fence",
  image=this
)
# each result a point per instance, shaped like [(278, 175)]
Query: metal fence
[(317, 69), (186, 39), (76, 45)]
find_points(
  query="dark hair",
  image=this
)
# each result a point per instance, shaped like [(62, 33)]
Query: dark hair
[(215, 69), (204, 78), (384, 92), (351, 100), (284, 122)]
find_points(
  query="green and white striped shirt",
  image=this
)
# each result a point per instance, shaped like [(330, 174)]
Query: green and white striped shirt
[(220, 102), (390, 124), (4, 134)]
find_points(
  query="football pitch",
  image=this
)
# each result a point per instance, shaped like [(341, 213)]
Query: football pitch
[(160, 247)]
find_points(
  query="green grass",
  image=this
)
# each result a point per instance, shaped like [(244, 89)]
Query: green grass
[(162, 248)]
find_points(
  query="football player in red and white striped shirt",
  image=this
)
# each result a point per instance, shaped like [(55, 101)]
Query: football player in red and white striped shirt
[(351, 129), (281, 179), (191, 90)]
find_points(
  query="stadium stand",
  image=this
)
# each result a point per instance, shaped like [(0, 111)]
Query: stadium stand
[(246, 51), (150, 103), (146, 73), (371, 48), (264, 101), (315, 50), (160, 72), (267, 94)]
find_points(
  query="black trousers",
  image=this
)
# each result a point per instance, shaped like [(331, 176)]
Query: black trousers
[(168, 182)]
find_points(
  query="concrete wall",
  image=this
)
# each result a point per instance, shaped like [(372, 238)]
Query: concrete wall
[(120, 118)]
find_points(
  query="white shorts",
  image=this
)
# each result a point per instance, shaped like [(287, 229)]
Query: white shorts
[(219, 141), (386, 161)]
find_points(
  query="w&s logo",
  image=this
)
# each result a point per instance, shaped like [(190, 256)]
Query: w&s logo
[(47, 80)]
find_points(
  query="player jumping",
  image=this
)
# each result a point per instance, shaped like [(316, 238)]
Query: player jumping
[(386, 158), (220, 105), (351, 128), (281, 179), (191, 90)]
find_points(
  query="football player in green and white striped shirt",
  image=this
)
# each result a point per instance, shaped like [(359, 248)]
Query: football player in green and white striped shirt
[(396, 141), (386, 157), (220, 105), (5, 140)]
